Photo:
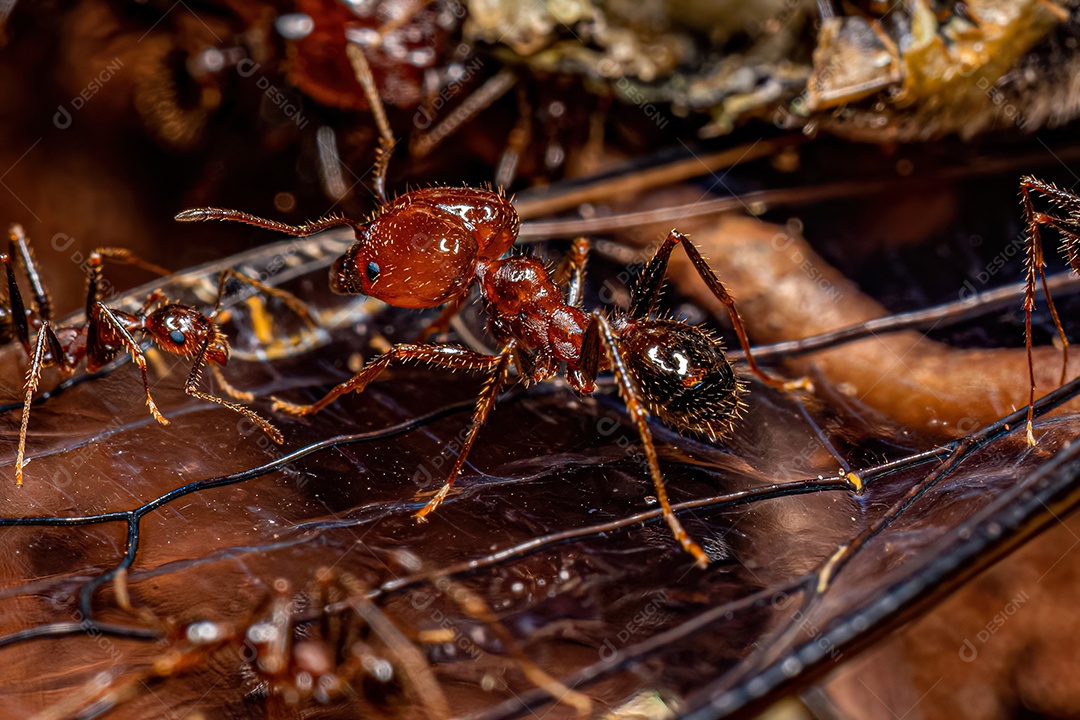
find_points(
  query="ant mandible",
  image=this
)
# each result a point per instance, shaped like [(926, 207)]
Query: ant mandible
[(1069, 227), (430, 247), (105, 332)]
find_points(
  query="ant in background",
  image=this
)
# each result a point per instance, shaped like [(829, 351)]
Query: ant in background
[(354, 652), (331, 644), (105, 332), (430, 247), (1069, 227), (345, 653)]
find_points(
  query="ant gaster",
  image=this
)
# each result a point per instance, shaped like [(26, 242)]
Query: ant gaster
[(430, 247), (106, 332)]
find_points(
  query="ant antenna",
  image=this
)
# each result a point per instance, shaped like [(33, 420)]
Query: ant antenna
[(366, 79)]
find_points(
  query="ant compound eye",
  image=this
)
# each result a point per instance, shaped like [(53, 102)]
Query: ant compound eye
[(177, 337), (372, 271)]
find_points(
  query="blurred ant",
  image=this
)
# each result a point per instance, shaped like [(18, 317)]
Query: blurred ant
[(351, 652), (330, 644), (1069, 227), (105, 332), (363, 647), (430, 247)]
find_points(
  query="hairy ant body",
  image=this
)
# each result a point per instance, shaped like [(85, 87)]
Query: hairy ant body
[(430, 247), (1069, 227), (106, 332)]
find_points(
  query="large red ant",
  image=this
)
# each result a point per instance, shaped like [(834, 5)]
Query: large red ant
[(1069, 227), (105, 332), (430, 247)]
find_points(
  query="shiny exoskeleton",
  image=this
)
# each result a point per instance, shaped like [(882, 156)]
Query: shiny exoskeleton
[(106, 332), (430, 247)]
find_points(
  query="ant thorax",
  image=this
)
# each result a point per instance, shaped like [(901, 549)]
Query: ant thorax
[(524, 304)]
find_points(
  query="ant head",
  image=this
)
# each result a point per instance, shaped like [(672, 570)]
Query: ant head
[(411, 256), (683, 376), (183, 330)]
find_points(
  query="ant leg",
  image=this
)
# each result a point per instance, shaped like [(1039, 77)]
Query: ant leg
[(479, 100), (583, 377), (123, 256), (415, 666), (445, 356), (308, 228), (94, 276), (442, 323), (484, 404), (362, 70), (516, 143), (191, 388), (294, 303), (227, 387), (1069, 241), (93, 287), (1035, 270), (641, 419), (20, 245), (18, 307), (46, 338), (477, 608), (647, 293), (571, 271), (276, 612), (106, 315), (152, 299)]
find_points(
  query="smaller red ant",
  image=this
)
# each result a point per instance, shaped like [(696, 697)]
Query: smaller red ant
[(105, 332), (430, 247), (1069, 227)]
